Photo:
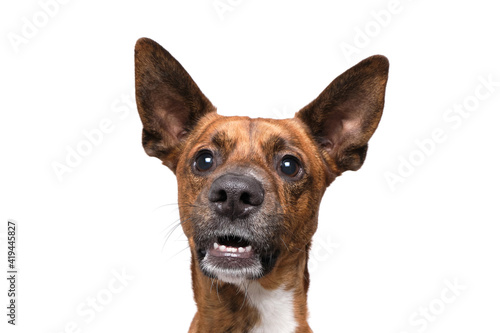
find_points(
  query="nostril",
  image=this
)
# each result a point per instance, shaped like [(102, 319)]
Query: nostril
[(222, 196), (246, 198), (218, 196), (252, 198)]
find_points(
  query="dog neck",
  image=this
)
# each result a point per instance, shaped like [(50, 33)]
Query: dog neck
[(275, 303)]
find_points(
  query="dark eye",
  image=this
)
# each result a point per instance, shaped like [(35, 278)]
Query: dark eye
[(204, 161), (289, 166)]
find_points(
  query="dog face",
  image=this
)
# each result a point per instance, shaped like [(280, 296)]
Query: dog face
[(248, 186), (249, 189)]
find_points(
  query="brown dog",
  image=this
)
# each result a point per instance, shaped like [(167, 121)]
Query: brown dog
[(249, 189)]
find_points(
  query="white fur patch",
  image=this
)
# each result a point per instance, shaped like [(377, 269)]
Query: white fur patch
[(275, 308), (234, 276)]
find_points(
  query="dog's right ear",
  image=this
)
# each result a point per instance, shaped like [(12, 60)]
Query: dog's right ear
[(169, 101)]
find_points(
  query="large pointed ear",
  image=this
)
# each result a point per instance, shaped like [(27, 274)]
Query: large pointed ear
[(169, 101), (344, 116)]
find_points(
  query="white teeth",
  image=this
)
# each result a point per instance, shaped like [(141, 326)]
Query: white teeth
[(231, 249)]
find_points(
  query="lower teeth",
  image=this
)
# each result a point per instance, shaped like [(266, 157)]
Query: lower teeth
[(232, 249)]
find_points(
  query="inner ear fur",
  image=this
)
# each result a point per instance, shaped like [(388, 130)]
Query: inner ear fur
[(169, 101), (345, 115)]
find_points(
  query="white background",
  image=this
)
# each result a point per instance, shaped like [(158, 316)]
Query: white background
[(380, 253)]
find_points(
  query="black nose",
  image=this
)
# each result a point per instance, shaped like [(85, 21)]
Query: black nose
[(236, 196)]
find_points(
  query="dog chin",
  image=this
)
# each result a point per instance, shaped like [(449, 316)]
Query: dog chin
[(235, 259), (235, 272)]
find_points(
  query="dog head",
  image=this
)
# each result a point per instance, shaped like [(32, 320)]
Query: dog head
[(249, 189)]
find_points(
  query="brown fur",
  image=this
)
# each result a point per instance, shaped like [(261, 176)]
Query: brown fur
[(328, 136)]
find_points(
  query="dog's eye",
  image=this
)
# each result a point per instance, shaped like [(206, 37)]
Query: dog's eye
[(204, 161), (289, 166)]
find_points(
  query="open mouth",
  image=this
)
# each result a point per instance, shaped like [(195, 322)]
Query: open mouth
[(232, 259), (231, 246)]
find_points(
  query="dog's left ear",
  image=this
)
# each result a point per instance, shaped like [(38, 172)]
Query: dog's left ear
[(169, 101), (345, 115)]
